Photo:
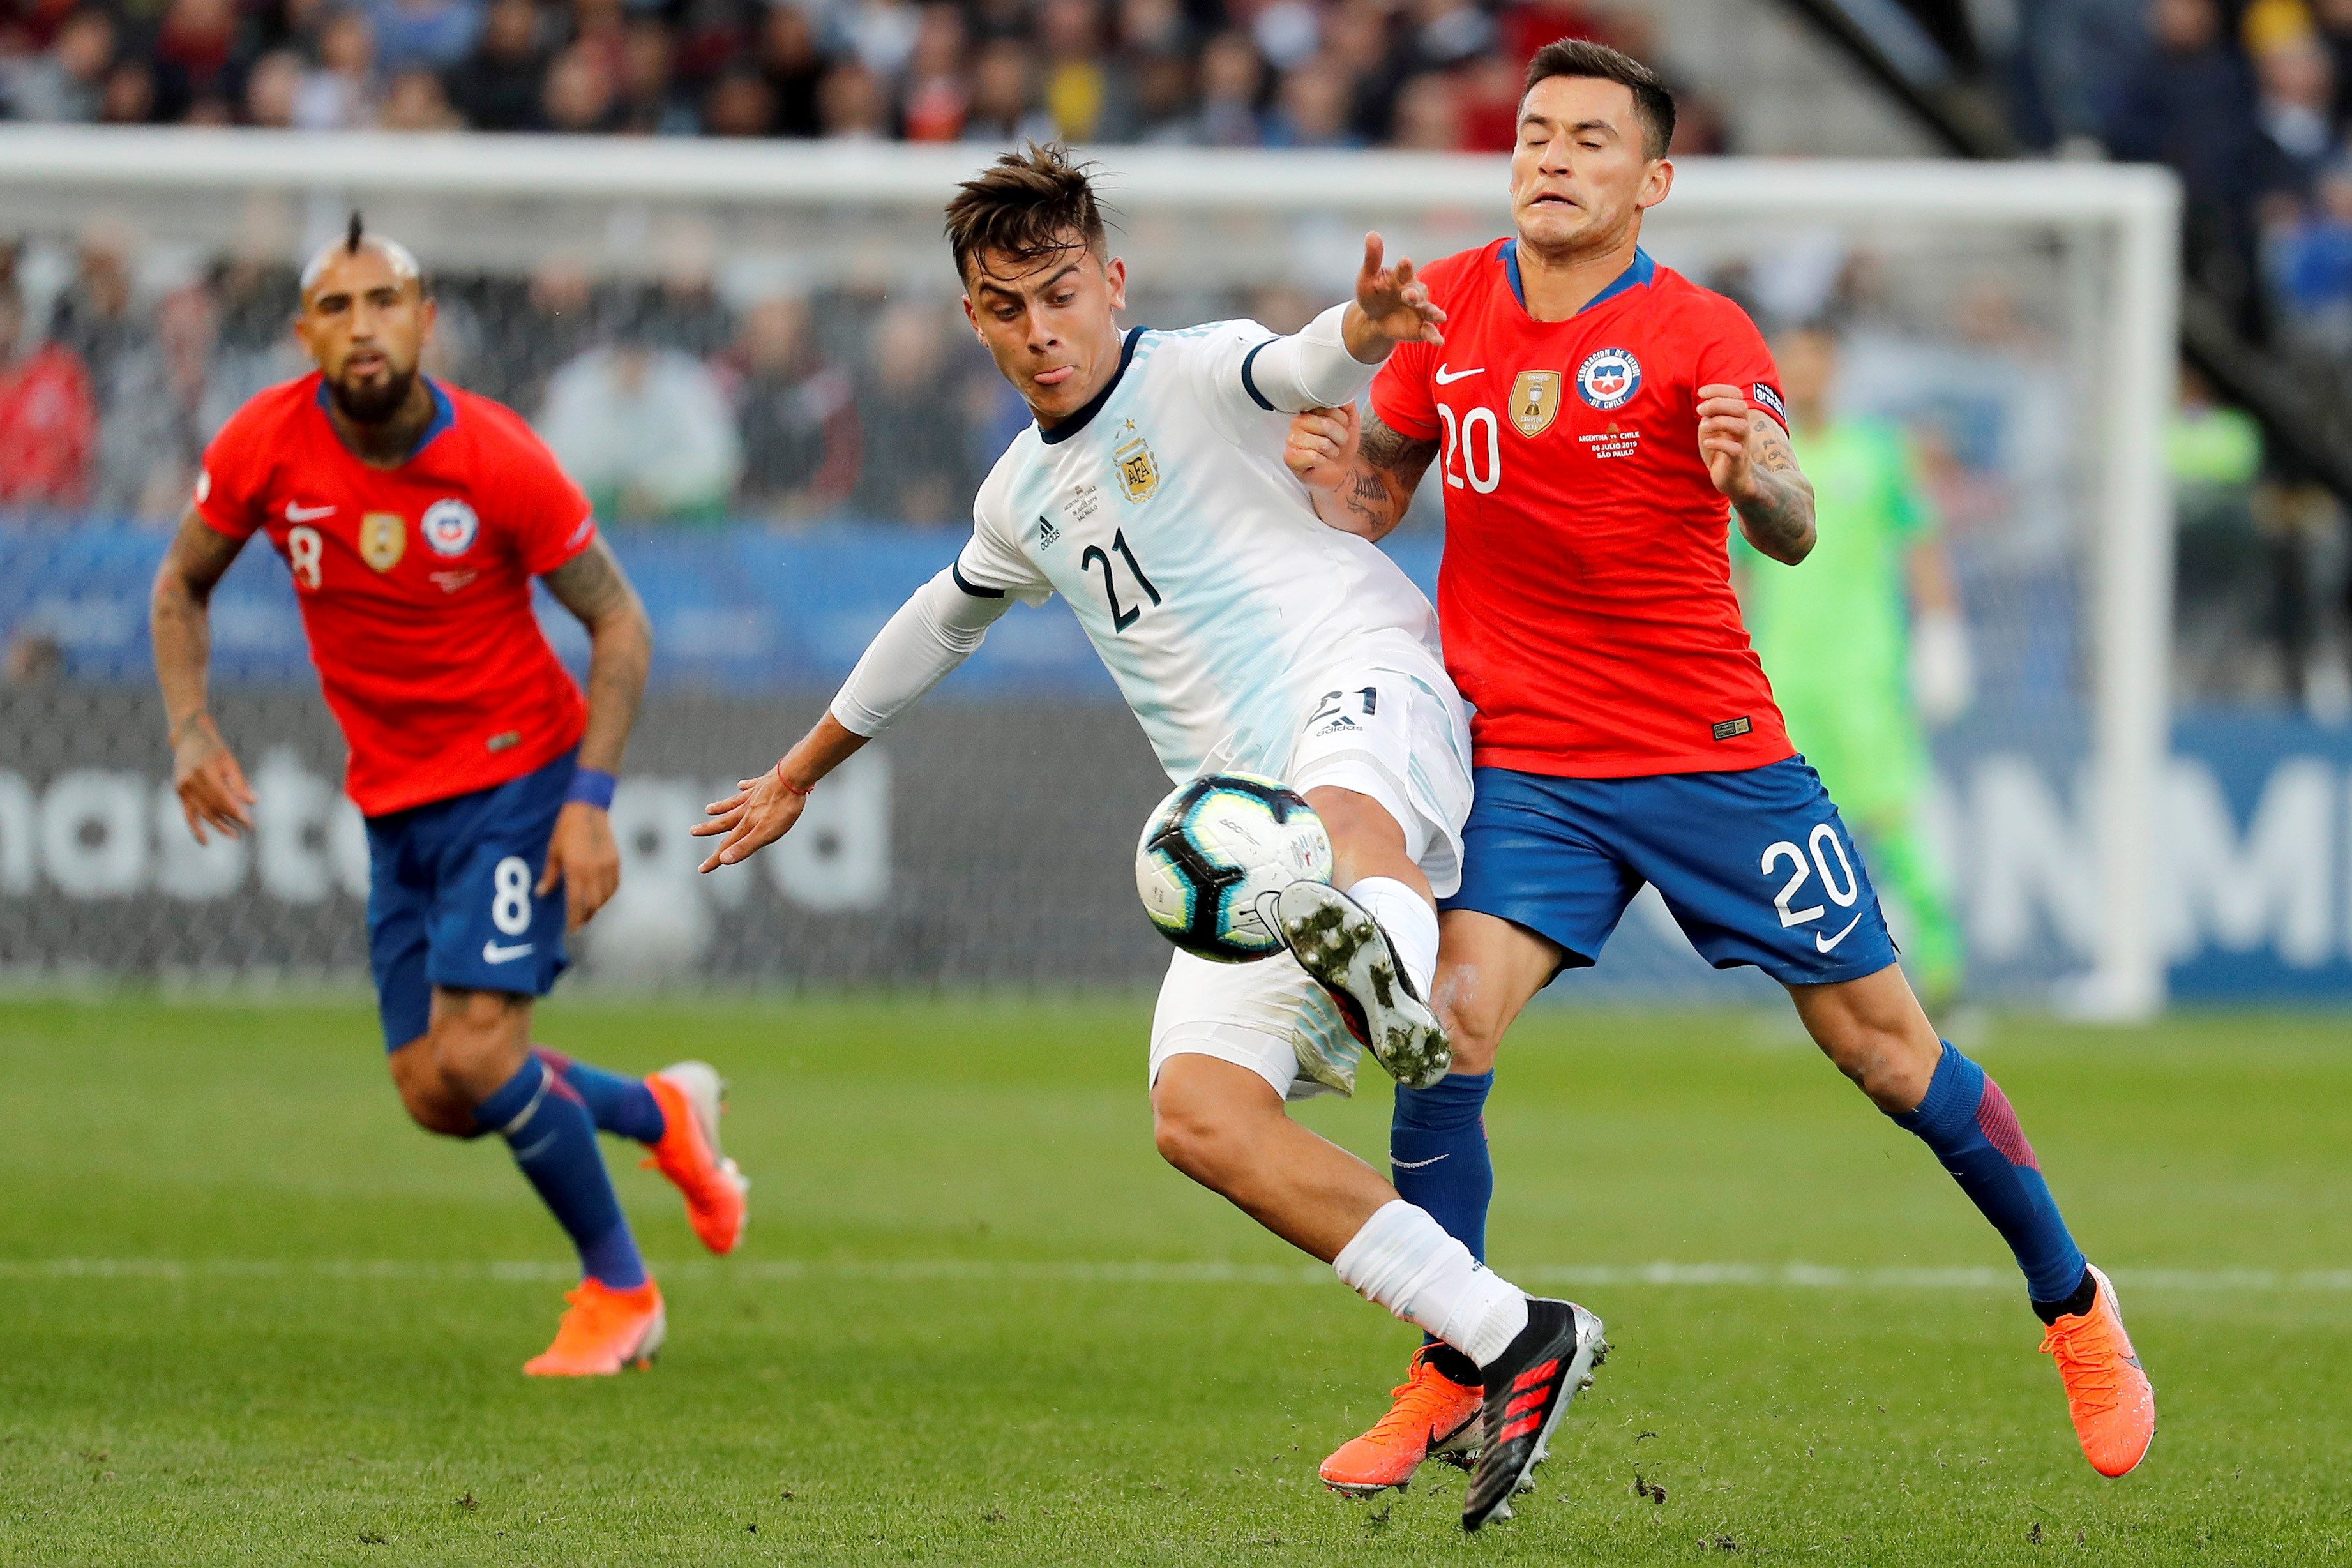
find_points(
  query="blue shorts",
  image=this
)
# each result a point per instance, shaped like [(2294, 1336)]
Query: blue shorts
[(451, 897), (1755, 866)]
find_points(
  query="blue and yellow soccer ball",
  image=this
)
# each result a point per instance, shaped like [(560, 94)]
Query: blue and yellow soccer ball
[(1217, 847)]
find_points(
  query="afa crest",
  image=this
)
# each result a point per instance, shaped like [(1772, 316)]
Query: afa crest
[(1138, 470), (1534, 401), (383, 539)]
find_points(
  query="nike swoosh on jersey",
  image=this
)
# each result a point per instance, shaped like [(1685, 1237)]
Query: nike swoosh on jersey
[(306, 513), (1445, 379), (1827, 942), (493, 954)]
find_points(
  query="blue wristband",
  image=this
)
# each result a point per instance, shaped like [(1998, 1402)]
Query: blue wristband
[(591, 787)]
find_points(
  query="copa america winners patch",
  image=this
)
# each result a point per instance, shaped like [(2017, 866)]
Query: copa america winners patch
[(1771, 400), (449, 527), (1608, 378)]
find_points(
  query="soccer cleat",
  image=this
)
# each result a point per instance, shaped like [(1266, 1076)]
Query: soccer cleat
[(2109, 1397), (1338, 943), (1528, 1389), (689, 1094), (1433, 1414), (604, 1329)]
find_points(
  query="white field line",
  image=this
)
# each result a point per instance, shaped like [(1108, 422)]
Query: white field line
[(983, 1272)]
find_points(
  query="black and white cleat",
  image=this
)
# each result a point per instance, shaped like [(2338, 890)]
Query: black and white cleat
[(1338, 943), (1529, 1387)]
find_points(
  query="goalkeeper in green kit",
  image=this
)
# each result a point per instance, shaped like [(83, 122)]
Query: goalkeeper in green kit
[(1862, 641)]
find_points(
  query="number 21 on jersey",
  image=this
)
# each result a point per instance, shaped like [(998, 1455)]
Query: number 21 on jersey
[(1122, 615)]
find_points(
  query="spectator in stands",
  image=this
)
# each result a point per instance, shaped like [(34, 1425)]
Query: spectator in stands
[(1086, 101), (1232, 79), (498, 87), (48, 419), (341, 93), (1314, 108), (164, 411), (793, 67), (2295, 107), (67, 82), (128, 98), (93, 314), (937, 93), (851, 104), (2308, 262), (739, 103), (2185, 101), (910, 414), (197, 60), (645, 430), (651, 104), (1428, 114), (273, 90), (797, 415), (413, 100), (1005, 97), (577, 95)]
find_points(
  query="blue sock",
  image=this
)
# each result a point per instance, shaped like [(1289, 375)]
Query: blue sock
[(547, 1125), (617, 1102), (1968, 1122), (1437, 1154)]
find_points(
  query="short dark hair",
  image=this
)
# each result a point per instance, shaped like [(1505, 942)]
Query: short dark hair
[(1580, 57), (1029, 204)]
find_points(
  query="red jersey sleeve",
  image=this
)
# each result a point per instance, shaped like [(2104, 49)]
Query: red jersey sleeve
[(1732, 353), (549, 517), (1402, 393), (235, 473)]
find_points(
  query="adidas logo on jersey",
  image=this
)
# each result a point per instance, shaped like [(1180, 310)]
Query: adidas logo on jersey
[(1046, 533)]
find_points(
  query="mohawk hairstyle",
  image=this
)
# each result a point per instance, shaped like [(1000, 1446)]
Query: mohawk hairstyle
[(1654, 105), (355, 239), (351, 236), (1029, 204)]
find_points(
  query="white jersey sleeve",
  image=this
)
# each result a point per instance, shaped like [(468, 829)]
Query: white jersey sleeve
[(993, 565), (936, 630), (1241, 369)]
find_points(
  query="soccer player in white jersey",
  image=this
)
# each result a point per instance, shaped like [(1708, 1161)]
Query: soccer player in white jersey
[(1152, 494)]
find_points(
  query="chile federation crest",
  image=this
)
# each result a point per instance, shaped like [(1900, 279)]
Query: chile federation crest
[(1608, 378)]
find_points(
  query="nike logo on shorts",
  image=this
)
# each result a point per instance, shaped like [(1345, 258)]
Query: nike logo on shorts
[(306, 513), (1445, 378), (1827, 942), (494, 953)]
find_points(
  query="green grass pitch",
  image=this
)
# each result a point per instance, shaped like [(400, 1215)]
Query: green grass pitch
[(252, 1318)]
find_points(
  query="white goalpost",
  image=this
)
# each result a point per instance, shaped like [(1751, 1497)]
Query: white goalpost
[(2024, 313)]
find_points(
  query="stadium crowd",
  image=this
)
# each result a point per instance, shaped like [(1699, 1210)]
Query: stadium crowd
[(1433, 74)]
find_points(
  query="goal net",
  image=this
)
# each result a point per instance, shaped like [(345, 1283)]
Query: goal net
[(752, 356)]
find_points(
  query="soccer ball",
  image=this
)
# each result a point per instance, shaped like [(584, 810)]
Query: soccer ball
[(1213, 849)]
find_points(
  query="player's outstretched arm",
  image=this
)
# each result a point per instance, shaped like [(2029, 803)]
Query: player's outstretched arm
[(1749, 457), (211, 787), (1361, 474), (580, 853), (763, 809)]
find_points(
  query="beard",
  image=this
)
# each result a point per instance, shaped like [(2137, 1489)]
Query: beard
[(373, 404)]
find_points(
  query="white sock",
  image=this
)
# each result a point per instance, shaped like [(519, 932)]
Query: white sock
[(1410, 922), (1403, 1261)]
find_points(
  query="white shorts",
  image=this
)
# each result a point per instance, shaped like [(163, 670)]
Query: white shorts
[(1390, 725)]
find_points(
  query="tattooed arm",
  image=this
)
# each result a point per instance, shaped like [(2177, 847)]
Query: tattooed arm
[(211, 787), (582, 853), (1361, 474), (1749, 458), (620, 648)]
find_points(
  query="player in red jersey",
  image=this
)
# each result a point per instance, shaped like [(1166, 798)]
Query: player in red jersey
[(413, 518), (1592, 414)]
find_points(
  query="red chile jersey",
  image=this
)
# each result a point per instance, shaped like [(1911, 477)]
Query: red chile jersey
[(415, 584), (1585, 598)]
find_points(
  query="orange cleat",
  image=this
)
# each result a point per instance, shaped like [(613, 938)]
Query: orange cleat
[(1432, 1415), (2108, 1395), (604, 1330), (690, 1096)]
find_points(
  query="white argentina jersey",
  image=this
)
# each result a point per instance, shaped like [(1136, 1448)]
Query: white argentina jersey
[(1193, 558)]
